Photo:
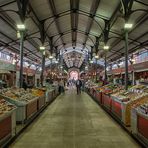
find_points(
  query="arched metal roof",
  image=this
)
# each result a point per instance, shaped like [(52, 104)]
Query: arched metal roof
[(73, 23)]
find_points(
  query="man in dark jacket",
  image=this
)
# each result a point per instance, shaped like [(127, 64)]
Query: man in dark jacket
[(25, 86), (78, 86)]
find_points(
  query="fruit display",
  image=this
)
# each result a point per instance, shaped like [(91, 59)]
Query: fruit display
[(5, 107), (138, 87), (110, 88), (90, 84), (38, 92), (133, 93)]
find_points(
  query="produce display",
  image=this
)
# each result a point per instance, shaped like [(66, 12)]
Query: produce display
[(132, 98), (90, 84), (143, 108), (38, 92), (133, 93), (5, 107), (120, 102), (19, 106), (18, 94), (110, 88)]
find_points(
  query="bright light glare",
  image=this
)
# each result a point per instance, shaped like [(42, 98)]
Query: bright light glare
[(86, 68), (128, 26), (96, 56), (42, 48), (106, 47), (21, 26), (18, 35), (91, 61), (44, 53), (50, 57)]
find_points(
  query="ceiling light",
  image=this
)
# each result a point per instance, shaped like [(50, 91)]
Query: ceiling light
[(96, 57), (91, 61), (50, 57), (128, 26), (106, 47), (133, 60), (86, 67), (42, 48), (21, 27)]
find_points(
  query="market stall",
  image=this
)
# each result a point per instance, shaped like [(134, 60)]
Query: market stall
[(26, 102), (7, 120)]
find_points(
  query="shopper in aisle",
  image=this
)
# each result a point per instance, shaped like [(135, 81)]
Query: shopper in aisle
[(25, 86), (61, 87), (83, 85), (78, 86)]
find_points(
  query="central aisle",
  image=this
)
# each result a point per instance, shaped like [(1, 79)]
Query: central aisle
[(74, 121)]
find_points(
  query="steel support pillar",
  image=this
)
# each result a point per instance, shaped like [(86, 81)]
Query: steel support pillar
[(126, 60), (96, 71), (105, 68), (43, 68), (21, 58)]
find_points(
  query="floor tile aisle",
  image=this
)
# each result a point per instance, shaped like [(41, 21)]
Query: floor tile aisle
[(74, 121)]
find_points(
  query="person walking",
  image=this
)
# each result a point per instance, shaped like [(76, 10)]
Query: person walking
[(78, 86), (25, 86), (61, 86)]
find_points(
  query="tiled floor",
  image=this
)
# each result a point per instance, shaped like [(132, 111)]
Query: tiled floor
[(74, 121)]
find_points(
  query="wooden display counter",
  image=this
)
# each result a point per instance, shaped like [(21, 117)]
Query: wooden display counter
[(99, 97), (5, 128), (49, 95), (41, 102), (142, 126), (116, 108), (106, 101), (31, 108)]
